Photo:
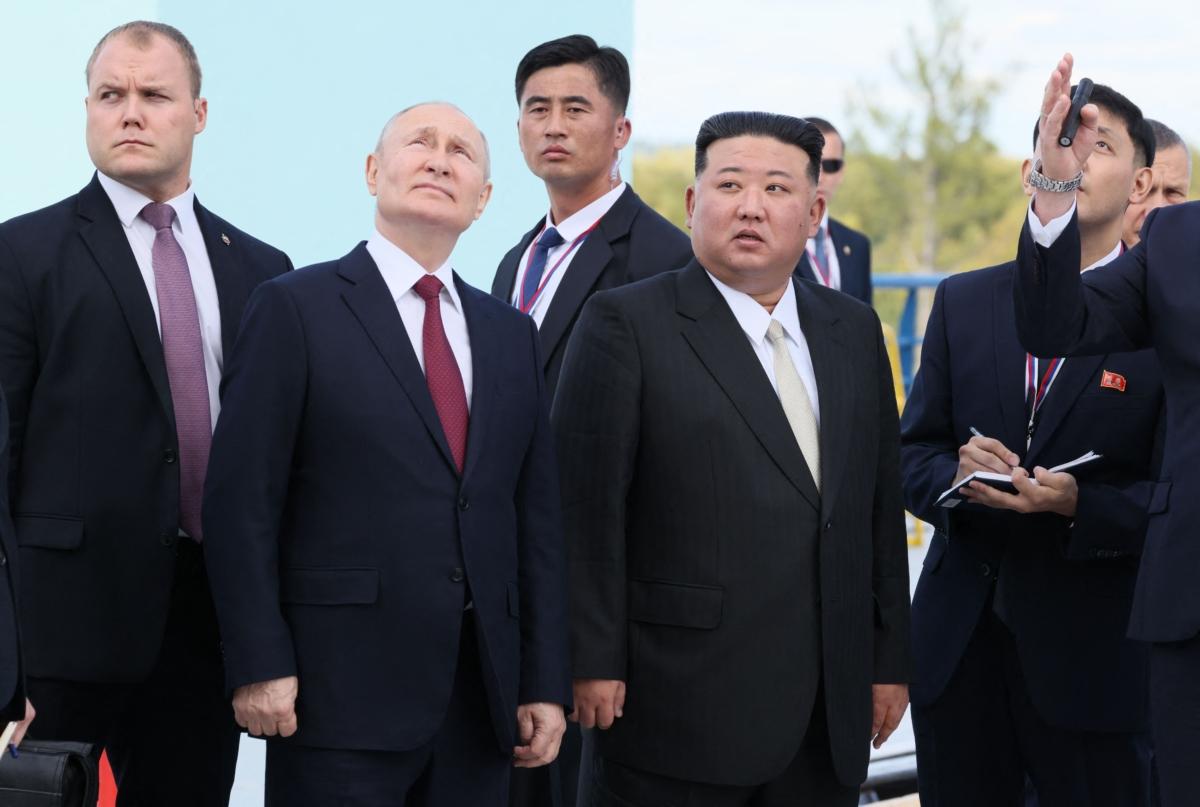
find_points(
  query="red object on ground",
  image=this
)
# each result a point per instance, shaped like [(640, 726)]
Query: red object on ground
[(108, 787)]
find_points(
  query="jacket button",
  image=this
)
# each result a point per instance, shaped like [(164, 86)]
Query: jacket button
[(167, 539), (985, 569), (464, 504), (456, 576), (828, 526), (169, 456), (3, 559)]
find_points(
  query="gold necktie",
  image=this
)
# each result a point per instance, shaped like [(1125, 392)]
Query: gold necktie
[(796, 404)]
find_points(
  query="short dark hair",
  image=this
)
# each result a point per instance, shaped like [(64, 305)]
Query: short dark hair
[(1164, 136), (1130, 114), (607, 63), (786, 129), (825, 126), (142, 33)]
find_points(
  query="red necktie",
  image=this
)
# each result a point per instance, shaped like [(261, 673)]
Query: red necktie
[(441, 371)]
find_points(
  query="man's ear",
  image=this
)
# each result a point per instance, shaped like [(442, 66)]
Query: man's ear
[(1026, 167), (1143, 182)]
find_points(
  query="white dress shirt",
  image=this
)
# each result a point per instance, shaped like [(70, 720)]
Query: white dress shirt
[(400, 273), (571, 228), (755, 320), (831, 257), (1046, 234), (140, 234)]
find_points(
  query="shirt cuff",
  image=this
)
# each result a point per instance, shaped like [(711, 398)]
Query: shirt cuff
[(1045, 235)]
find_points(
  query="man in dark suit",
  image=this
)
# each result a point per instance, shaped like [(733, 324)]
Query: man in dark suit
[(729, 443), (572, 96), (383, 508), (117, 308), (14, 706), (1148, 298), (1171, 180), (1022, 668), (836, 256)]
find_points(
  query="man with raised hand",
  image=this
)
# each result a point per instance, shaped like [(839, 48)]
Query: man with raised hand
[(1149, 297)]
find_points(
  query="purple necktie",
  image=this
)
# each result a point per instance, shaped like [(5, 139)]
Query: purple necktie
[(184, 355), (441, 371)]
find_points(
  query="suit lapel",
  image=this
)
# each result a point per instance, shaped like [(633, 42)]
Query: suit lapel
[(831, 367), (1010, 366), (228, 274), (804, 269), (485, 353), (370, 300), (713, 332), (105, 237), (1072, 380), (506, 273), (585, 269)]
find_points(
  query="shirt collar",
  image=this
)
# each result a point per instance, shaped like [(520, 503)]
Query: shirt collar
[(129, 203), (401, 272), (754, 319), (574, 225), (1112, 256)]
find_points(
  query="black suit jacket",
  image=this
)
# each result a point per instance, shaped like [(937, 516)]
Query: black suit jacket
[(93, 476), (1149, 297), (1064, 591), (632, 242), (706, 571), (854, 261), (12, 688), (341, 539)]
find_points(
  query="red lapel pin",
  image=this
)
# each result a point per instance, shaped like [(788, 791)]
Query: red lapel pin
[(1111, 380)]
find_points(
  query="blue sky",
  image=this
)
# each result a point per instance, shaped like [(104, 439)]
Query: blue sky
[(705, 56)]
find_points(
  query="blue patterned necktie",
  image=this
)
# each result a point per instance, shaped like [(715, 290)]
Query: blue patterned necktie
[(549, 239)]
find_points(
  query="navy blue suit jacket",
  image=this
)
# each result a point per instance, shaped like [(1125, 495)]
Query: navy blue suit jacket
[(93, 477), (12, 689), (340, 537), (1147, 298), (854, 261), (1064, 591)]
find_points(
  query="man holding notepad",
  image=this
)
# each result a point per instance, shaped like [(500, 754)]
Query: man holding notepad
[(1021, 665)]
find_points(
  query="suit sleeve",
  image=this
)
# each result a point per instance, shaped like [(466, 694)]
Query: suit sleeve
[(596, 419), (247, 484), (929, 449), (1111, 518), (890, 550), (18, 355), (1060, 313), (545, 650)]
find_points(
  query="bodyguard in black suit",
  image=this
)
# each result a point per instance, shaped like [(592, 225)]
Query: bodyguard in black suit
[(13, 705), (1019, 619), (383, 511), (572, 96), (1148, 298), (837, 256), (114, 604), (728, 435)]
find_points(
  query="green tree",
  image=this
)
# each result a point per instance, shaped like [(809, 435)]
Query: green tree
[(661, 176)]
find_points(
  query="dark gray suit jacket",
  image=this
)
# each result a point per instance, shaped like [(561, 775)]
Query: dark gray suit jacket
[(706, 570)]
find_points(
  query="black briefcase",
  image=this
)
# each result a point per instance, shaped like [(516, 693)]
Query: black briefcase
[(49, 774)]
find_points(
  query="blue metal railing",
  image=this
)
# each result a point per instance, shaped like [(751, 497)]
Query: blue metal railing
[(906, 330)]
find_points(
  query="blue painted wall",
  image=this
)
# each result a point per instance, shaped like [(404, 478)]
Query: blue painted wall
[(297, 95)]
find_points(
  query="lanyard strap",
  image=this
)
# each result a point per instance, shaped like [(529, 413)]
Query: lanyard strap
[(1036, 390), (525, 306), (821, 265)]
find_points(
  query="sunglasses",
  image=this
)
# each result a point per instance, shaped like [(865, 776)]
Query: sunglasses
[(831, 166)]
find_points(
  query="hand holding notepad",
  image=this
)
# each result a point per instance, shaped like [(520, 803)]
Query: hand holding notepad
[(954, 494)]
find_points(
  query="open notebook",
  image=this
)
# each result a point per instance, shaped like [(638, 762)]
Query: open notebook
[(954, 496)]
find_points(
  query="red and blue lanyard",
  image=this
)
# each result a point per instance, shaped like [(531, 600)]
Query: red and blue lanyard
[(526, 306)]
